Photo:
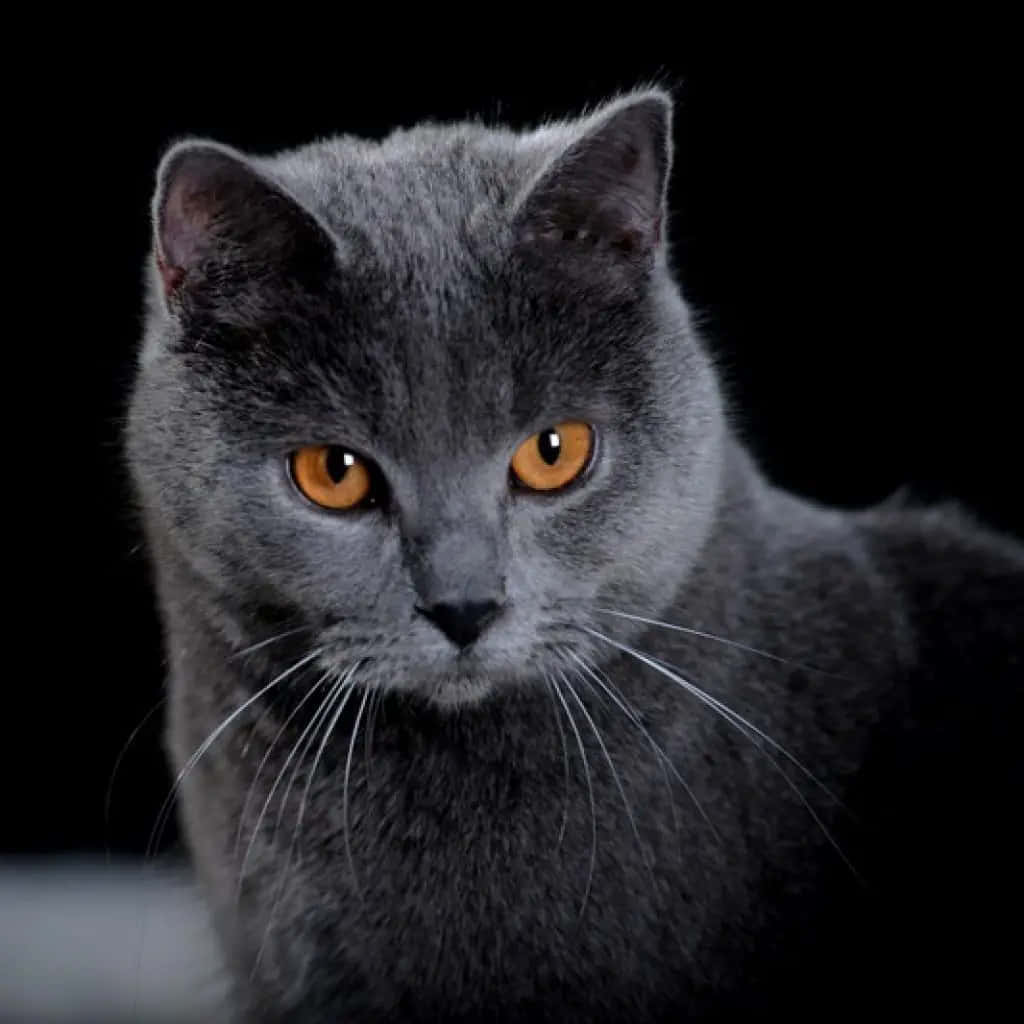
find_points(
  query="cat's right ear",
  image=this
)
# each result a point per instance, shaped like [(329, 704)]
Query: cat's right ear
[(222, 230), (595, 216)]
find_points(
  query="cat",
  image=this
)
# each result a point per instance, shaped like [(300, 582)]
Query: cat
[(503, 685)]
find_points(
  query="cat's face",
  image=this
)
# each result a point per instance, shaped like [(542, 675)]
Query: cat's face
[(431, 400)]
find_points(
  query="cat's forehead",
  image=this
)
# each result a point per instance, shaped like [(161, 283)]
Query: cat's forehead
[(462, 366), (445, 365), (431, 326), (418, 188), (436, 337)]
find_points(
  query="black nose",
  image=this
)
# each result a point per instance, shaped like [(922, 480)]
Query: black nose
[(461, 623)]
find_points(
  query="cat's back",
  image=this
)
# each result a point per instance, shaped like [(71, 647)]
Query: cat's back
[(920, 583), (947, 760), (959, 579), (920, 609), (916, 616)]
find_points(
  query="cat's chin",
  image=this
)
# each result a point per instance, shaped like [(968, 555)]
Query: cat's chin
[(461, 691), (440, 677)]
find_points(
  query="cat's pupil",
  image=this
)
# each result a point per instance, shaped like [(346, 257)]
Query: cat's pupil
[(550, 446), (338, 461)]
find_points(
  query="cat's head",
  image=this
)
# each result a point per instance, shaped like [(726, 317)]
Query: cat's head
[(433, 398)]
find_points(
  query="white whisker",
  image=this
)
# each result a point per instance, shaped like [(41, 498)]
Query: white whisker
[(615, 774), (719, 639), (666, 762), (565, 765), (334, 705), (108, 797), (164, 814), (263, 761), (266, 643), (661, 666), (590, 792), (374, 710), (302, 744), (265, 713), (741, 724), (344, 794), (328, 731)]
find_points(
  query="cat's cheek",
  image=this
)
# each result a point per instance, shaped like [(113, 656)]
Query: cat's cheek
[(326, 563)]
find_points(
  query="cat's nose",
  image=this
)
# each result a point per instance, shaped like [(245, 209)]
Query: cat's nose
[(462, 623)]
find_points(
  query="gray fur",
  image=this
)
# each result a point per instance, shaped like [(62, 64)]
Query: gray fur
[(431, 300)]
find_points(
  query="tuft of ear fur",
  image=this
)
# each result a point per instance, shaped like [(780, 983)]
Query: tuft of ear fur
[(222, 228), (600, 201)]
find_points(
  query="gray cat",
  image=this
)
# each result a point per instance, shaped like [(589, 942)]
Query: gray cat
[(502, 684)]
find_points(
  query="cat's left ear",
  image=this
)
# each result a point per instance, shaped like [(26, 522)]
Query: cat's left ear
[(598, 208), (227, 238)]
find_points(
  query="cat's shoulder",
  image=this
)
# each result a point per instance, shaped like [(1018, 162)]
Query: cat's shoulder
[(949, 585), (945, 754), (961, 581), (942, 546)]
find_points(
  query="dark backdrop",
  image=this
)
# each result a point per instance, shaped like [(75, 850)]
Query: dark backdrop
[(837, 216)]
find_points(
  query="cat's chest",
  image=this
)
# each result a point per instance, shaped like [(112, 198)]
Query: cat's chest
[(493, 894), (477, 878), (506, 855)]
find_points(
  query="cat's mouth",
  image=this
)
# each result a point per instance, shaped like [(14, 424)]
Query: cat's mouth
[(421, 662), (460, 690), (459, 677), (443, 676)]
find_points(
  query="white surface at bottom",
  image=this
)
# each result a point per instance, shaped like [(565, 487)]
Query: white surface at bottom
[(103, 944)]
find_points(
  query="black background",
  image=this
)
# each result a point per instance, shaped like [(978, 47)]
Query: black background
[(839, 203)]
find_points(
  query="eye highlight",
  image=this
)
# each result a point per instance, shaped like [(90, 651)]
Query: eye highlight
[(553, 457), (331, 476)]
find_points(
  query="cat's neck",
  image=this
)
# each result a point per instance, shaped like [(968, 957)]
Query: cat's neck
[(744, 503)]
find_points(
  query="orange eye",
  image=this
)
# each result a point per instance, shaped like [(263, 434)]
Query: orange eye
[(331, 476), (554, 457)]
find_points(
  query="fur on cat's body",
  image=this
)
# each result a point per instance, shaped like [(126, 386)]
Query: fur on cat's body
[(450, 877)]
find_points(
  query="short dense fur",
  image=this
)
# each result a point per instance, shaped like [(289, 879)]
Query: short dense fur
[(432, 300)]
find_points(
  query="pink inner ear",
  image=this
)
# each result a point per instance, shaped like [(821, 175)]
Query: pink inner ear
[(170, 275), (184, 228)]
